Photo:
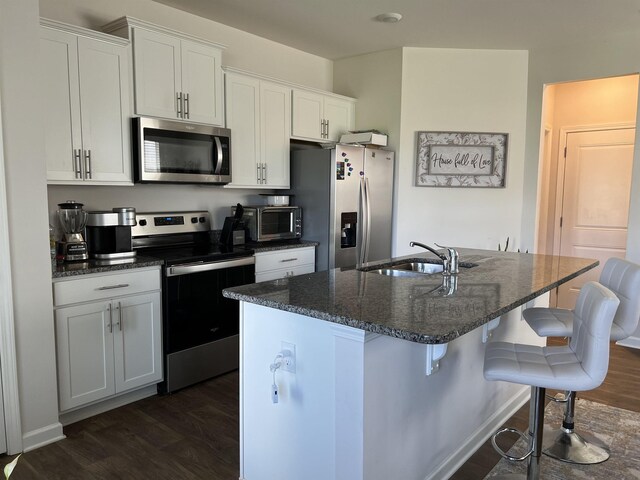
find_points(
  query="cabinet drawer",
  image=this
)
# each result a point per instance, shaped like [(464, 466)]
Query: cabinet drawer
[(95, 287), (284, 273), (285, 259)]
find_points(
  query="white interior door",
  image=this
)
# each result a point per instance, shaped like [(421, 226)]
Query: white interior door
[(595, 201)]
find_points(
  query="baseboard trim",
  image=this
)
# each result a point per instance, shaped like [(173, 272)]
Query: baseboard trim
[(451, 464), (631, 342), (42, 436), (102, 406)]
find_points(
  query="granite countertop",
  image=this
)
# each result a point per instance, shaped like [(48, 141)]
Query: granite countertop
[(61, 270), (418, 309), (72, 269)]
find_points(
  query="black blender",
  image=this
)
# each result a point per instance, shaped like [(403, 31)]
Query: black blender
[(72, 247)]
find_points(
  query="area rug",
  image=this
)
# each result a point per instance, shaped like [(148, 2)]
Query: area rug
[(618, 428)]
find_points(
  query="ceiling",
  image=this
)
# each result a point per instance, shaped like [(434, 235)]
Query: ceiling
[(336, 29)]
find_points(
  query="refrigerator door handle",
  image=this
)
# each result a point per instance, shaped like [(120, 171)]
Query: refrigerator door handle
[(362, 228), (367, 226)]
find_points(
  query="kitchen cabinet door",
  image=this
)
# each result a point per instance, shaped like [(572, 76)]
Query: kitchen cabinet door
[(275, 125), (339, 115), (202, 83), (321, 117), (61, 105), (86, 106), (284, 273), (84, 348), (272, 265), (137, 341), (157, 65), (243, 118), (307, 118), (104, 104), (259, 116)]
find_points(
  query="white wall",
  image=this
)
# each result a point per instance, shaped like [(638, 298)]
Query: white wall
[(375, 80), (27, 216), (461, 91)]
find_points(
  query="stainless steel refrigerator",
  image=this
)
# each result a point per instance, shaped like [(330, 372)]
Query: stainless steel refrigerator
[(346, 195)]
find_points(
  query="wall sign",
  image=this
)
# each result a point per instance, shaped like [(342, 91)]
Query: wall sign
[(461, 159)]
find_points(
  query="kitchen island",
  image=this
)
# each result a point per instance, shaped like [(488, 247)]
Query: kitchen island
[(387, 379)]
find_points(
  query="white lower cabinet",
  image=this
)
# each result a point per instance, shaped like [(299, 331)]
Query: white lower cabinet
[(277, 264), (109, 346)]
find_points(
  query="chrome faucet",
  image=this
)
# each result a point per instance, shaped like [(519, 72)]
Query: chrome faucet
[(450, 263)]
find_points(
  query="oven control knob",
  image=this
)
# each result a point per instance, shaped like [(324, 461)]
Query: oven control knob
[(142, 223), (201, 219), (194, 219)]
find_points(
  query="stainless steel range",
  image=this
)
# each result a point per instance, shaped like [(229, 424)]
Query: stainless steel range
[(200, 326)]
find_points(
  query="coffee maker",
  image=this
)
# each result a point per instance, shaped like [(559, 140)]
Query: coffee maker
[(73, 219), (109, 234)]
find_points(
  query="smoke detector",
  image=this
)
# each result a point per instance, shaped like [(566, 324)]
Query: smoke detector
[(389, 17)]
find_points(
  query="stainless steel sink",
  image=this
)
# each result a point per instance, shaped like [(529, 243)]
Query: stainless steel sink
[(420, 267), (410, 269)]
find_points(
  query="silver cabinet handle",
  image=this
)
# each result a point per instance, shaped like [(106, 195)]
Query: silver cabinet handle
[(120, 321), (264, 173), (77, 166), (111, 287), (110, 318), (322, 128), (367, 238), (186, 106), (289, 260), (259, 172), (361, 234), (326, 126), (87, 165), (179, 104)]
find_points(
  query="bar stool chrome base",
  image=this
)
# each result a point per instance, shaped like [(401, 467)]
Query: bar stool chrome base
[(570, 447)]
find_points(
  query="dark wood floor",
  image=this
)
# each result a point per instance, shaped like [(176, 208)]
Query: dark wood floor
[(193, 434)]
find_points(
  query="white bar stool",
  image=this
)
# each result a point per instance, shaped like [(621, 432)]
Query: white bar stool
[(623, 278), (581, 365)]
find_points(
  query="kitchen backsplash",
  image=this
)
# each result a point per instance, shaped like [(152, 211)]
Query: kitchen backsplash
[(217, 200)]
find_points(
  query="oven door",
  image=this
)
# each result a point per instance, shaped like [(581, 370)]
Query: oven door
[(201, 326)]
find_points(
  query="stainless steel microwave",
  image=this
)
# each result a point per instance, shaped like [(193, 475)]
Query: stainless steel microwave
[(266, 223), (180, 152)]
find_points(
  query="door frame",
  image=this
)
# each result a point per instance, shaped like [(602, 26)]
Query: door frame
[(8, 359), (562, 160)]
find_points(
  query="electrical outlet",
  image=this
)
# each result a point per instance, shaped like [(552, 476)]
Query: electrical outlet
[(289, 357)]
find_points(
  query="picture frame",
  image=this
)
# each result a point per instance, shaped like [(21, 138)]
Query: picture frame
[(461, 159)]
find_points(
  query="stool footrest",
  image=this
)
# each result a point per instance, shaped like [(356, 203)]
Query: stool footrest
[(557, 398), (503, 454)]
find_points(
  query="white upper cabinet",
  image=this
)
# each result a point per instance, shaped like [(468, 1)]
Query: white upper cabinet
[(157, 74), (176, 76), (86, 105), (321, 117), (259, 116)]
